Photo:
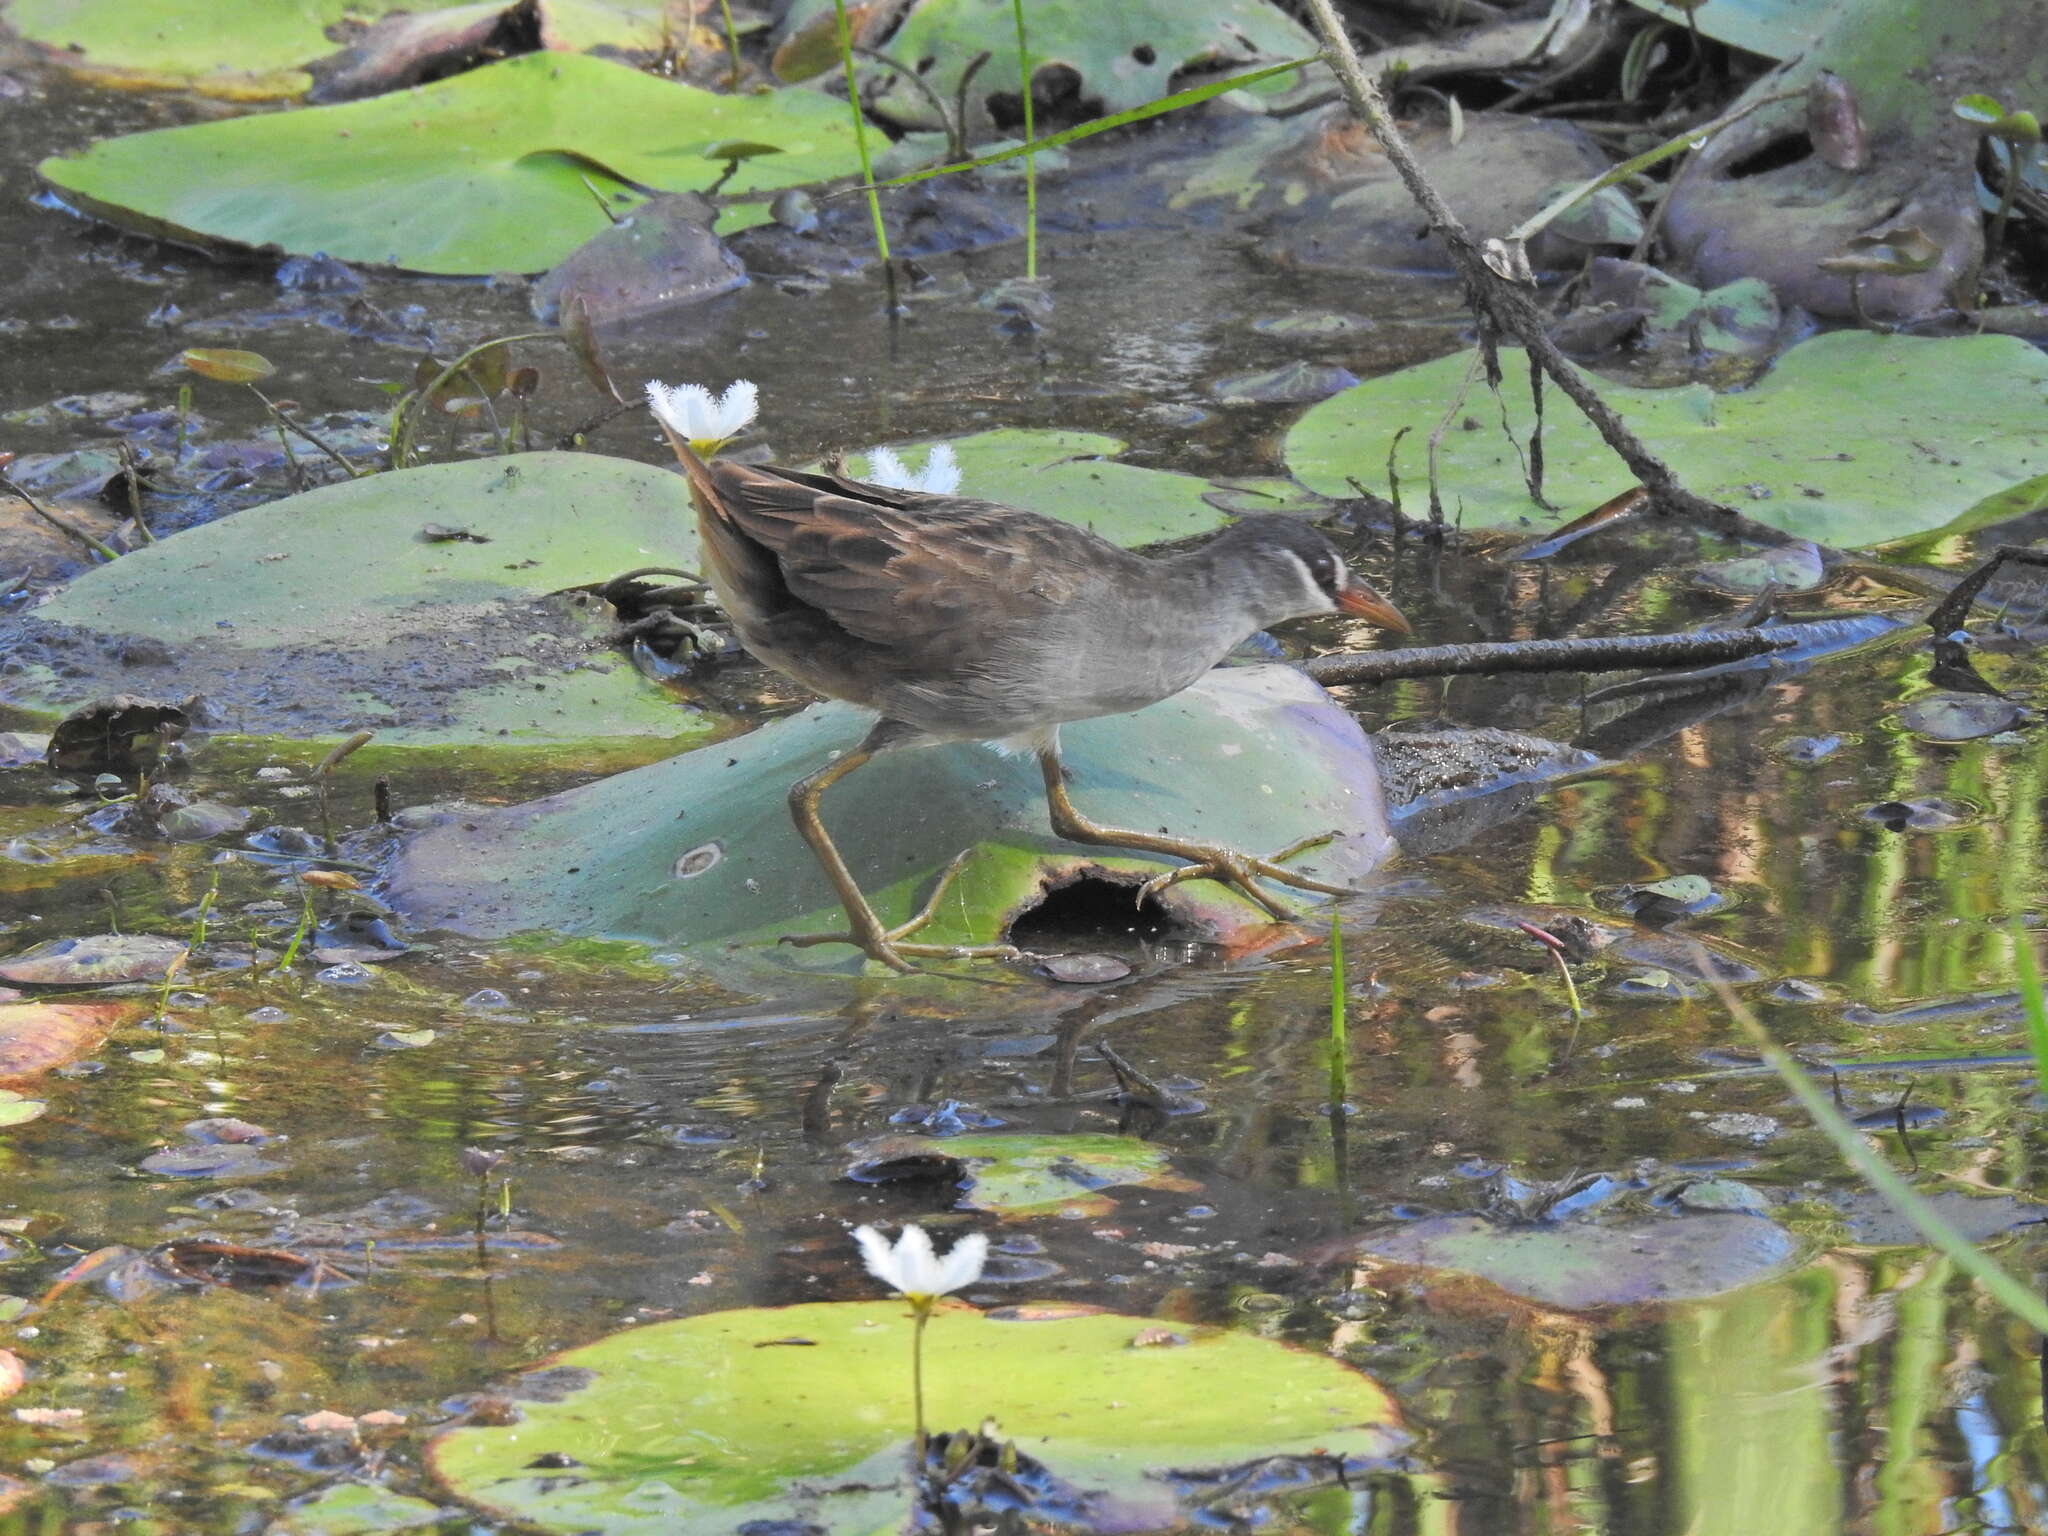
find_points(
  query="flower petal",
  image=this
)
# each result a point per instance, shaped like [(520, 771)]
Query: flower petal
[(738, 406), (941, 475), (919, 1265), (887, 471), (879, 1257), (963, 1265)]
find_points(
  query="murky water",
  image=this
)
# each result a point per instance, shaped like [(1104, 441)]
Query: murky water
[(672, 1149)]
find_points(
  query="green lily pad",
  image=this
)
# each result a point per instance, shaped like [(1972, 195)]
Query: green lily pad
[(1795, 567), (798, 1418), (1074, 476), (331, 611), (1579, 1264), (97, 961), (16, 1109), (355, 1509), (489, 171), (1125, 54), (1026, 1175), (1853, 439), (1777, 29), (235, 48), (699, 851)]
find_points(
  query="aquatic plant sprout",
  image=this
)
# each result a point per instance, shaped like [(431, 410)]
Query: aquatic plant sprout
[(705, 422), (915, 1272), (939, 477)]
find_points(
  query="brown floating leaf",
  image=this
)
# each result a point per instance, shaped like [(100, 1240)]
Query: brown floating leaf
[(34, 1037), (124, 734), (227, 365), (331, 879), (813, 47), (205, 1261)]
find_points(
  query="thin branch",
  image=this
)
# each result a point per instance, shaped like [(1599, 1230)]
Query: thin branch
[(1502, 306), (72, 530), (1607, 653)]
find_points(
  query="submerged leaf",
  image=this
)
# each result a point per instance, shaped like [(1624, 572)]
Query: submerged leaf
[(99, 960), (35, 1036)]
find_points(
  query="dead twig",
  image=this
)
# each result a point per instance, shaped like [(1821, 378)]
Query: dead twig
[(69, 530), (1600, 653), (1503, 307)]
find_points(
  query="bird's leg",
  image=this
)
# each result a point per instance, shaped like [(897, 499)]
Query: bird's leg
[(1205, 861), (865, 928)]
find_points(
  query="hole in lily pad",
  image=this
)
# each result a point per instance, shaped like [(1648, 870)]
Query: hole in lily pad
[(1090, 911), (1788, 149)]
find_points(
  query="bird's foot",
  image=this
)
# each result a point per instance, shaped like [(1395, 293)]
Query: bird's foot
[(887, 944), (1242, 870)]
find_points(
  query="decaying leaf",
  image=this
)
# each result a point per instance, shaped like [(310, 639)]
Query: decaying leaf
[(125, 734)]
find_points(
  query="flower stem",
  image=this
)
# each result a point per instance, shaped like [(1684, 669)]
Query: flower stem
[(924, 1315), (860, 136)]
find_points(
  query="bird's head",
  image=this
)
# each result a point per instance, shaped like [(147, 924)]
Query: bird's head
[(1292, 571)]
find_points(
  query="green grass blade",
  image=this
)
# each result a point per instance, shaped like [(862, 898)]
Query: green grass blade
[(1339, 1032), (1150, 109), (2032, 1002), (1856, 1151)]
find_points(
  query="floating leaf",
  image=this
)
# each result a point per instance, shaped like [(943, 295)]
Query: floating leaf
[(1125, 54), (1959, 716), (354, 1509), (1022, 1175), (1252, 757), (489, 171), (364, 599), (95, 961), (1831, 445), (1074, 476), (798, 1418), (226, 365), (17, 1110)]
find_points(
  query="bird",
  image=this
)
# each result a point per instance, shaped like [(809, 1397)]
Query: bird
[(959, 620)]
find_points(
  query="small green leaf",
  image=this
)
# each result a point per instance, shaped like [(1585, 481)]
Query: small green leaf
[(227, 365), (15, 1110), (1980, 109)]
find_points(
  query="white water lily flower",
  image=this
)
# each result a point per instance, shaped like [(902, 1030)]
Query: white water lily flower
[(705, 423), (939, 477), (914, 1270)]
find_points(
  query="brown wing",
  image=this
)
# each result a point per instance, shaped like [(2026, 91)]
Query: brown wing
[(931, 579)]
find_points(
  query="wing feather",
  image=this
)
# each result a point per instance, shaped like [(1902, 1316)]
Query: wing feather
[(902, 570)]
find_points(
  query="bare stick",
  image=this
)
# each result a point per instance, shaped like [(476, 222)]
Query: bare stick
[(104, 551), (1606, 653), (1501, 305)]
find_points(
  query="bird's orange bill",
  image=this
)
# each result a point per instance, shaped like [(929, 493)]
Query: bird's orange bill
[(1361, 601)]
